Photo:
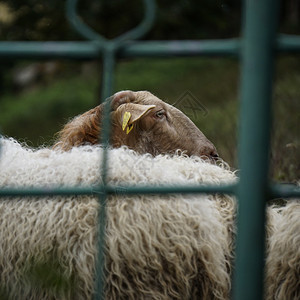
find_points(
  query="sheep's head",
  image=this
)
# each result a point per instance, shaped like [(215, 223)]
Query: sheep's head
[(142, 122)]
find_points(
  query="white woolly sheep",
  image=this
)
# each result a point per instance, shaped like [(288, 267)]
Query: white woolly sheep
[(283, 252), (157, 247)]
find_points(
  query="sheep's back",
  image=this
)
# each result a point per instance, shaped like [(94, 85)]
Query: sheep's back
[(156, 247)]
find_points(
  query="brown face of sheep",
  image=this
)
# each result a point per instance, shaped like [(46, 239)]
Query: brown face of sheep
[(142, 122)]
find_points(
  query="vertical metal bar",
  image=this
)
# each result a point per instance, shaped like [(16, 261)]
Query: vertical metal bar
[(107, 83), (257, 66), (108, 69)]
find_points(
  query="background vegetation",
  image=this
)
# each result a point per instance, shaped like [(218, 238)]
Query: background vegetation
[(35, 110)]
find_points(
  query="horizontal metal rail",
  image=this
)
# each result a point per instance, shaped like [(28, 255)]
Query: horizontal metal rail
[(284, 191), (275, 190), (93, 50), (288, 43), (121, 189)]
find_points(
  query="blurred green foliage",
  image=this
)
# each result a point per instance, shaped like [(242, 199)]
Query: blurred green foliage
[(285, 150), (36, 114)]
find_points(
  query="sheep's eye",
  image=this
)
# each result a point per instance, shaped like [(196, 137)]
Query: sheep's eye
[(160, 114)]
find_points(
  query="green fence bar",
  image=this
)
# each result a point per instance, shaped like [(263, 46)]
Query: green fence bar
[(92, 49), (120, 189), (257, 67), (275, 191), (107, 88), (50, 50), (109, 58), (284, 191), (226, 47), (288, 43)]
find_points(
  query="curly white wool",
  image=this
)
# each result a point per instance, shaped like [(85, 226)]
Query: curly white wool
[(283, 252), (157, 247)]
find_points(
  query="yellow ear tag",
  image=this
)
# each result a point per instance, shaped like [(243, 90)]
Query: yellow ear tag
[(126, 118), (129, 128)]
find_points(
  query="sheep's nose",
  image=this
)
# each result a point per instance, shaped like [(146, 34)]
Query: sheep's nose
[(214, 155), (210, 153)]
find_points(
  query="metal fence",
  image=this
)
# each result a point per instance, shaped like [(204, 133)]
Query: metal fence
[(255, 49)]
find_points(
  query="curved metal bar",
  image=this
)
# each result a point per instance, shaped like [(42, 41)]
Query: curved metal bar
[(90, 34), (84, 30), (144, 26)]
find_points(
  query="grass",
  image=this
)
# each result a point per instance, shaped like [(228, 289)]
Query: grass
[(37, 114), (34, 116), (286, 122)]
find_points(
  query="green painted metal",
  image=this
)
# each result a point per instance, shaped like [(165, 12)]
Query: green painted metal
[(92, 50), (256, 49), (276, 190), (256, 94), (229, 47), (89, 34), (288, 43), (108, 70), (46, 50), (284, 191), (79, 26), (120, 189)]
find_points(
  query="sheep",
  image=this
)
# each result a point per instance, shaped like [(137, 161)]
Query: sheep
[(157, 247), (141, 122), (283, 252)]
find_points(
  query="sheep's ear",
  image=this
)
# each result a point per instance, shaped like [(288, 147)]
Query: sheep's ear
[(130, 113)]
